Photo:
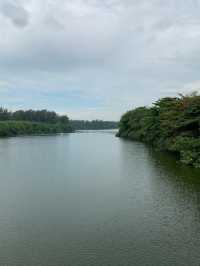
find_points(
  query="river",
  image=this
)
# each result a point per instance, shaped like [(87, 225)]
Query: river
[(89, 198)]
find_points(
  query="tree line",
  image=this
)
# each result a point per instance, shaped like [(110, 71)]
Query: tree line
[(33, 116), (93, 125), (32, 122), (26, 122), (171, 123)]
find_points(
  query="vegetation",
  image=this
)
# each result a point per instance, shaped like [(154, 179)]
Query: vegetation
[(43, 116), (95, 124), (44, 122), (171, 124), (32, 122)]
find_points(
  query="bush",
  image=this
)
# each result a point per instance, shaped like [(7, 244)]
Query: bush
[(15, 128), (172, 124)]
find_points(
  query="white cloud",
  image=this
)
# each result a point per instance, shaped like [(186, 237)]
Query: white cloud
[(117, 53), (191, 87)]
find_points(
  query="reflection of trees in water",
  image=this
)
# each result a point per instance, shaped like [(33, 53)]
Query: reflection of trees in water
[(170, 181), (183, 180), (169, 164), (160, 166), (165, 197)]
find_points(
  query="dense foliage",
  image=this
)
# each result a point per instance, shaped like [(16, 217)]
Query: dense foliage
[(171, 124), (33, 116), (44, 122), (32, 122), (95, 124)]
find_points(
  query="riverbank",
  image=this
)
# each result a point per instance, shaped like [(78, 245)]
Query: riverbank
[(37, 122), (32, 122), (171, 124), (18, 128)]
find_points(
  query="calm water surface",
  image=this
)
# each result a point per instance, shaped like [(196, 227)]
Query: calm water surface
[(93, 199)]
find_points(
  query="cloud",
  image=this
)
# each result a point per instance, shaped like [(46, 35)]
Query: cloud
[(18, 15), (97, 57), (191, 87)]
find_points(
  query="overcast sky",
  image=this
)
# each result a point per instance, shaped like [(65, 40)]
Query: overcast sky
[(97, 58)]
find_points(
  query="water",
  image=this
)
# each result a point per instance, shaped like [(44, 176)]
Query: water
[(93, 199)]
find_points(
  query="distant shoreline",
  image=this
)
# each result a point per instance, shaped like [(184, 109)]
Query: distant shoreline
[(44, 122)]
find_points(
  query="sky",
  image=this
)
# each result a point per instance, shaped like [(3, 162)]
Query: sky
[(96, 59)]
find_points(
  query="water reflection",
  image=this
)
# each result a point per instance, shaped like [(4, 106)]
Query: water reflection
[(183, 180), (93, 199), (168, 193)]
